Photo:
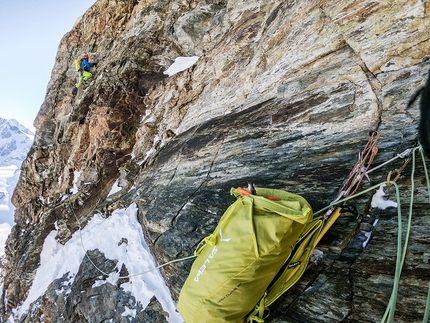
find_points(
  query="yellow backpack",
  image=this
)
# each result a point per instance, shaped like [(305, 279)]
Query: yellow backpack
[(259, 249), (78, 64)]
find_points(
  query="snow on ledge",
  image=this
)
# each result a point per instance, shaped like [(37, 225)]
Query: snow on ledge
[(104, 234), (181, 64), (378, 200)]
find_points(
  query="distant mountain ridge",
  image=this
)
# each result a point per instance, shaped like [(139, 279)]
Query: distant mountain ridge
[(15, 142)]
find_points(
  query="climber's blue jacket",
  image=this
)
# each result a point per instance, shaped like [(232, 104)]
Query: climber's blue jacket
[(85, 65)]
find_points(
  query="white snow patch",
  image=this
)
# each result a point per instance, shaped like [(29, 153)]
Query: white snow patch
[(7, 173), (4, 232), (76, 176), (9, 176), (104, 234), (379, 202), (150, 119), (368, 235), (316, 255), (181, 64), (147, 155), (129, 312), (115, 188)]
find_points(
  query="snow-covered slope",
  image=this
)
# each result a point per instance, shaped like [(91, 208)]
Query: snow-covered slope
[(126, 245), (15, 142)]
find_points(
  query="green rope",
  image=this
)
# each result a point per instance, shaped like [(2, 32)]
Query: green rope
[(401, 252), (401, 245), (350, 197), (427, 310), (426, 313), (425, 171), (393, 298)]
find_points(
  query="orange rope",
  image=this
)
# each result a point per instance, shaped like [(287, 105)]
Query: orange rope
[(359, 171)]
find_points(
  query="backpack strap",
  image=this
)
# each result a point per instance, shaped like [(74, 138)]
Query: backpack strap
[(259, 310), (294, 267)]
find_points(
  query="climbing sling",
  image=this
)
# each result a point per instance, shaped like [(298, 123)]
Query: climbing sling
[(259, 249)]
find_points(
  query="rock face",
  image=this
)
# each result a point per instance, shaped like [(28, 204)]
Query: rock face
[(284, 94)]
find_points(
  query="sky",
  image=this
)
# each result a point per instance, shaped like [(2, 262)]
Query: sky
[(30, 32)]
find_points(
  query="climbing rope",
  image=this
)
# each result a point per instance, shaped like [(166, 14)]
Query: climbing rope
[(351, 186), (107, 274), (401, 251), (358, 172), (427, 310)]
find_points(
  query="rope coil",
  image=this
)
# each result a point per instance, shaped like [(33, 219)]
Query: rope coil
[(358, 172), (388, 316)]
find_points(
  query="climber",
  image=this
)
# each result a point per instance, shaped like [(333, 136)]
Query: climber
[(82, 67)]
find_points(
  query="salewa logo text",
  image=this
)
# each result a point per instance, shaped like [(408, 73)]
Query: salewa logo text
[(210, 257), (207, 262)]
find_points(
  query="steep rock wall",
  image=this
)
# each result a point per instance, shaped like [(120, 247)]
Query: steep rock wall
[(284, 94)]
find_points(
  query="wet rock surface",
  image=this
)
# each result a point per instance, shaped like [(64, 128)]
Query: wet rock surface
[(284, 94)]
